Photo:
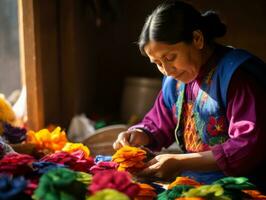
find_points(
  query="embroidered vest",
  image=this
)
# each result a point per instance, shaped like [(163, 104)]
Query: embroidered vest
[(209, 111)]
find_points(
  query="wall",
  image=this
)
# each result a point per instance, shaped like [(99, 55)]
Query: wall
[(9, 47)]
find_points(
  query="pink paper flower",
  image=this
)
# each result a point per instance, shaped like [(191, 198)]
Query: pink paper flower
[(120, 181), (75, 161), (103, 166)]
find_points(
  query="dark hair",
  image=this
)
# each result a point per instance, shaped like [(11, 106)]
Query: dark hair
[(174, 21)]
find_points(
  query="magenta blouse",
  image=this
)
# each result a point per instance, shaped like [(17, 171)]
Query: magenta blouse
[(243, 151)]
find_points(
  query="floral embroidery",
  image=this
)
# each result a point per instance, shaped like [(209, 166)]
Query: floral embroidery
[(216, 126)]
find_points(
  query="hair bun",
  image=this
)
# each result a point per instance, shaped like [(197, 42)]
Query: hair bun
[(212, 24)]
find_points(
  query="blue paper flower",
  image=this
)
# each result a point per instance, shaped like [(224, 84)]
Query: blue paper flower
[(11, 188)]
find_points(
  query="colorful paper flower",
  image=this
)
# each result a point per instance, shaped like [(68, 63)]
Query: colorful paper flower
[(190, 198), (215, 192), (72, 147), (130, 158), (235, 183), (7, 114), (146, 192), (254, 194), (12, 188), (174, 193), (101, 166), (184, 181), (120, 181), (14, 135), (43, 167), (16, 164), (5, 148), (216, 126), (44, 139), (84, 178), (75, 160), (60, 184), (108, 194)]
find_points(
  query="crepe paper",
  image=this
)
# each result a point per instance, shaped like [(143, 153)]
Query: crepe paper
[(103, 166), (158, 188), (190, 198), (130, 158), (60, 184), (108, 194), (101, 158), (120, 181), (235, 183), (174, 193), (44, 139), (16, 164), (75, 160), (146, 192), (5, 149), (215, 192), (12, 134), (32, 185), (72, 147), (43, 167), (11, 188), (84, 178), (184, 181), (254, 194), (7, 114)]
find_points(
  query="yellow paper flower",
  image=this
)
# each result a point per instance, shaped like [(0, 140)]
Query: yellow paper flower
[(130, 158), (44, 139), (71, 147), (183, 181), (6, 113), (215, 191), (146, 192)]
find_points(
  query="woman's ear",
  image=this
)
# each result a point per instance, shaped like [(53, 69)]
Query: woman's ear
[(198, 39)]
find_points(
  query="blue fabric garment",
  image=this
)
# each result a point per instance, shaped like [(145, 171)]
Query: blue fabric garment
[(204, 177)]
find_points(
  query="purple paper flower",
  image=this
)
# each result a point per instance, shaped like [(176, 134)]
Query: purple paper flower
[(14, 134)]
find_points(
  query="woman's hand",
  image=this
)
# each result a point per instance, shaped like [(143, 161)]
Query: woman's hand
[(165, 166), (134, 137)]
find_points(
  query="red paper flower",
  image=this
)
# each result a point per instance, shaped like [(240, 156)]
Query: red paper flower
[(120, 181), (75, 160), (216, 126), (16, 164)]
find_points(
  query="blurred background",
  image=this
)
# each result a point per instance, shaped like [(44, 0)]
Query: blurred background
[(81, 56)]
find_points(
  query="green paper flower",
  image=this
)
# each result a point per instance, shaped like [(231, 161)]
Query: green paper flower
[(236, 183), (108, 194), (60, 184), (84, 178), (174, 193)]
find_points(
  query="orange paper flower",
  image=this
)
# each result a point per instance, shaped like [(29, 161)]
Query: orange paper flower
[(129, 158), (72, 147), (46, 140), (255, 194), (183, 181), (146, 192)]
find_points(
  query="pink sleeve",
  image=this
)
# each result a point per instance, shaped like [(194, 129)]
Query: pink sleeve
[(245, 112), (159, 123)]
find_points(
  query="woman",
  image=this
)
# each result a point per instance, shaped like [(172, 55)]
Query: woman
[(210, 101)]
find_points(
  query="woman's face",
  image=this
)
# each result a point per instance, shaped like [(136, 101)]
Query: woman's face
[(182, 60)]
